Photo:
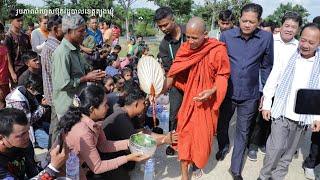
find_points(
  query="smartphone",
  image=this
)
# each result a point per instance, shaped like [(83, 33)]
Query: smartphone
[(60, 141), (308, 102)]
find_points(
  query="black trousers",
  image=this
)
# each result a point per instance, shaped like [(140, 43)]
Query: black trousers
[(314, 156), (260, 131), (175, 99)]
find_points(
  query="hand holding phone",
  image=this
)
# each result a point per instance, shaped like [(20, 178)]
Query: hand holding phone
[(60, 140)]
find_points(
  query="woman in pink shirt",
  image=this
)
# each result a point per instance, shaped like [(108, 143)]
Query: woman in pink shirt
[(84, 134)]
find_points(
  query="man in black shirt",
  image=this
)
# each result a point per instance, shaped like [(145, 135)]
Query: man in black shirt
[(174, 37), (121, 125), (16, 151)]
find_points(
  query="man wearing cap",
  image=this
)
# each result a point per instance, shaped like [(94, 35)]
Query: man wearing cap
[(70, 72)]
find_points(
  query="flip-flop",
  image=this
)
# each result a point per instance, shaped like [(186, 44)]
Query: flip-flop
[(197, 173)]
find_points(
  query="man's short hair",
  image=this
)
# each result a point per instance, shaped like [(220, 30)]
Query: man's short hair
[(41, 17), (14, 15), (133, 92), (226, 15), (270, 24), (310, 25), (26, 56), (108, 22), (118, 47), (9, 117), (54, 20), (34, 82), (92, 17), (292, 16), (162, 13), (316, 20), (252, 7)]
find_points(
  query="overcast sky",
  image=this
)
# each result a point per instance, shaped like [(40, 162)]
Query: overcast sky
[(268, 5)]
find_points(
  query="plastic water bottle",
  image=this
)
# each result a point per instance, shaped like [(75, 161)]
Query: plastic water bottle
[(149, 169), (164, 120), (72, 166)]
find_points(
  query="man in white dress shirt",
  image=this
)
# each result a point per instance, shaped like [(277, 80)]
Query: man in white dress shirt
[(301, 71)]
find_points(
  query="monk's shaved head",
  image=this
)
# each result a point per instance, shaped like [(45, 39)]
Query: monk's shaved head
[(196, 32), (197, 23)]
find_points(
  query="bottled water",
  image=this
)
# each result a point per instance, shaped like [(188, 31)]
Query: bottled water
[(72, 166), (149, 169), (164, 120)]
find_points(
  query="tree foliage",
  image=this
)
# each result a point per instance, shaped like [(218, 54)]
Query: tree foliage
[(144, 29), (8, 5), (126, 5), (210, 11), (145, 25), (52, 4), (145, 14), (5, 7), (283, 8), (179, 7)]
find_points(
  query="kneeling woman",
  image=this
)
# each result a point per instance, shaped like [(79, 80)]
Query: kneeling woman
[(84, 135)]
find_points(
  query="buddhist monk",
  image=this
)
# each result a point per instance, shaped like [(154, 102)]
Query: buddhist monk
[(201, 70)]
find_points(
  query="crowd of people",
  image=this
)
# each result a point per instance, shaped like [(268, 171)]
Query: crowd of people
[(65, 82)]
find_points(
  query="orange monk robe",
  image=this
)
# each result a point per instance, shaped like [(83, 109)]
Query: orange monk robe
[(194, 72)]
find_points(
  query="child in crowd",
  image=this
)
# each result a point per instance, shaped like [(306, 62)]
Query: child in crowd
[(132, 46), (6, 69), (24, 98), (116, 49), (126, 61), (108, 84), (127, 73), (85, 135), (31, 59), (114, 65), (119, 83), (145, 51)]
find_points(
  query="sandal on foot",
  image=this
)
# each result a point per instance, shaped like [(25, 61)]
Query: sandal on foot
[(197, 173)]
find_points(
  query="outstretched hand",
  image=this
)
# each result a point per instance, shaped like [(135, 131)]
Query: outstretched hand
[(205, 95), (137, 157)]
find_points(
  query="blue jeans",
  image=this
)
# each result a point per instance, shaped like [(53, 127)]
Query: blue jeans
[(42, 136)]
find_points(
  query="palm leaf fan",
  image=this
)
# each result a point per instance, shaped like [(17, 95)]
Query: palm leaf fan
[(151, 79)]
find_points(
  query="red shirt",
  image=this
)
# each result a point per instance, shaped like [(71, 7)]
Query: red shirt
[(4, 70)]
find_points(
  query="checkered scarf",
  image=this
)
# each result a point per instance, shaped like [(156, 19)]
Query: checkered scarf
[(284, 88)]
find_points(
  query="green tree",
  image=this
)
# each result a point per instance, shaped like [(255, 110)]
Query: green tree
[(145, 25), (126, 5), (95, 4), (283, 8), (144, 29), (210, 11), (144, 14), (181, 8), (5, 7), (52, 4)]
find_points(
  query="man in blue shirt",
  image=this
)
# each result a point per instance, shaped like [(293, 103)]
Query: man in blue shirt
[(250, 50), (94, 31)]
